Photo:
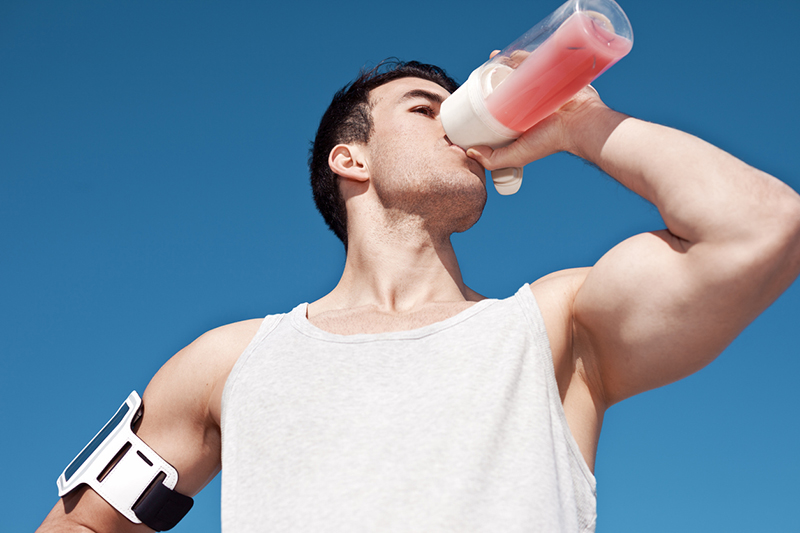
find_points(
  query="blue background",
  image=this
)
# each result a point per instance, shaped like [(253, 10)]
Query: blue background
[(153, 186)]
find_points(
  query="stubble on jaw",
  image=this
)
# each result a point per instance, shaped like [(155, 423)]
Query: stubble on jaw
[(420, 192)]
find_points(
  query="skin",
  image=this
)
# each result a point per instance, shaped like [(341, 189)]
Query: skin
[(657, 307)]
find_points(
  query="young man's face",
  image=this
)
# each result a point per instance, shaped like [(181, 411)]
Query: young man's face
[(414, 167)]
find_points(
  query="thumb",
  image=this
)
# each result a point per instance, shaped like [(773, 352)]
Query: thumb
[(508, 156), (481, 154)]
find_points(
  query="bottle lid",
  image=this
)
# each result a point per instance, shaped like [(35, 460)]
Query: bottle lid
[(466, 120), (507, 180), (468, 123)]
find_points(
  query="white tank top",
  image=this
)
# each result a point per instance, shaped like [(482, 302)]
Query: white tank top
[(453, 427)]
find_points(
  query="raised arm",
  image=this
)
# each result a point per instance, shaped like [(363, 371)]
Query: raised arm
[(181, 423), (662, 305)]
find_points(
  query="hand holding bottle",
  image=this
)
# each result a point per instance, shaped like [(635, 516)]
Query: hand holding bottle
[(551, 135), (531, 79)]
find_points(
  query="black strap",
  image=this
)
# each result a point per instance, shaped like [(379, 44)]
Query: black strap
[(161, 507)]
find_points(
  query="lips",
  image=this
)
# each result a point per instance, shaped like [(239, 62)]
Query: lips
[(453, 145)]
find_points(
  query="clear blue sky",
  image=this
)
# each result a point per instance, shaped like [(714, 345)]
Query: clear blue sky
[(153, 186)]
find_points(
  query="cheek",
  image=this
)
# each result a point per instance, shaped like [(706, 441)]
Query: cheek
[(400, 150)]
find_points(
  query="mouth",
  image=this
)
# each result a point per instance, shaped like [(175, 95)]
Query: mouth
[(470, 162), (452, 144)]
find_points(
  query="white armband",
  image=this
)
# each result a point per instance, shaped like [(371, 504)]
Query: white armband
[(127, 473)]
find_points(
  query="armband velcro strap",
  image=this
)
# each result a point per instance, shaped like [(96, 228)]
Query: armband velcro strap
[(127, 473), (161, 508)]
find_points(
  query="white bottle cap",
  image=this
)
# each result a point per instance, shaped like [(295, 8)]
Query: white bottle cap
[(507, 180), (468, 123)]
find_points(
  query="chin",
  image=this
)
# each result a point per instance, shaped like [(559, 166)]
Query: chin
[(462, 205), (466, 222), (452, 201)]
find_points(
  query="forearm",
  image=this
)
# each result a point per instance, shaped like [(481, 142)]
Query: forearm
[(60, 521), (63, 526), (661, 305), (83, 511), (703, 193)]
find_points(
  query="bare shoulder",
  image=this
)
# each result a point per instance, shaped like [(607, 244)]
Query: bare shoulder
[(219, 347), (203, 362), (226, 340), (564, 282), (555, 294), (198, 372)]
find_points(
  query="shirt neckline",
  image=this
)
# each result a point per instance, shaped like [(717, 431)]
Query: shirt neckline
[(301, 323)]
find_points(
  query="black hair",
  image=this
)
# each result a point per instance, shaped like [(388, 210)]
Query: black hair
[(348, 119)]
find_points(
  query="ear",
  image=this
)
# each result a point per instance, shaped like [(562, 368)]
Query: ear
[(349, 162)]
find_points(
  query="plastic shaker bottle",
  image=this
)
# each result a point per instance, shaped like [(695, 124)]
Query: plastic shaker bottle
[(534, 76)]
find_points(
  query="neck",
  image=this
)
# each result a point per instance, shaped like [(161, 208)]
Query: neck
[(398, 271)]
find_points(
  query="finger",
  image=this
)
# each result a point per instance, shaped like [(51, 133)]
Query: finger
[(507, 156), (512, 155), (481, 154), (517, 57), (494, 54), (534, 144)]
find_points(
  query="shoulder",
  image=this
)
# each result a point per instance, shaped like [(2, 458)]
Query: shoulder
[(213, 351), (555, 294), (194, 377), (225, 342), (563, 279)]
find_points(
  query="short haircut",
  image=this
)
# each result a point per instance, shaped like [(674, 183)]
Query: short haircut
[(347, 120)]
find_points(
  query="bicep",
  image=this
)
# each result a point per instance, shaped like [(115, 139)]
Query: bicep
[(655, 309)]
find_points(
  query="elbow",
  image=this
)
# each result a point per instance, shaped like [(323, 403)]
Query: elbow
[(789, 223), (780, 238), (793, 216), (764, 243)]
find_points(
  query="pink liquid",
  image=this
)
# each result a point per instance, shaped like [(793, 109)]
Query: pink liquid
[(570, 59)]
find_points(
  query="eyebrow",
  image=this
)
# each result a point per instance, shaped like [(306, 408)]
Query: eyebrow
[(421, 93)]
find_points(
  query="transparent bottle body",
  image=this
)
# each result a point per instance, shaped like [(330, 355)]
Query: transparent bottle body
[(544, 68), (534, 76)]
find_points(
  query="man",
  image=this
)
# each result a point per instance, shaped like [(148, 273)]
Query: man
[(405, 401)]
